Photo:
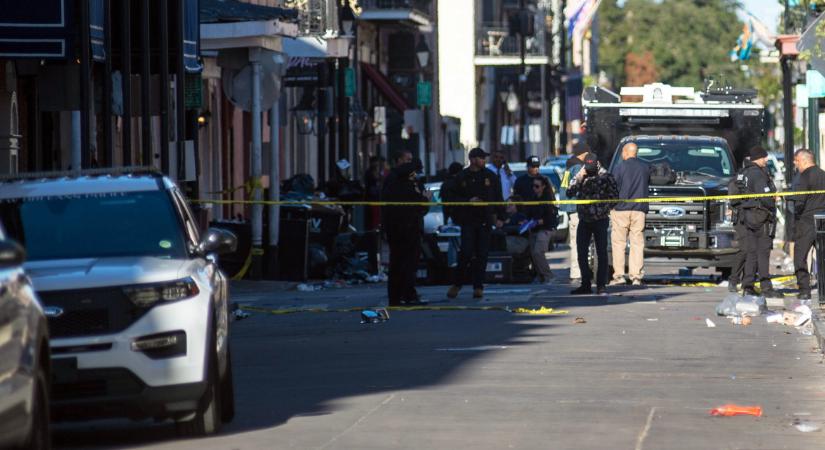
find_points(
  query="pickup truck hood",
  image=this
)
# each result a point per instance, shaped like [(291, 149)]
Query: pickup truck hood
[(86, 273), (712, 185)]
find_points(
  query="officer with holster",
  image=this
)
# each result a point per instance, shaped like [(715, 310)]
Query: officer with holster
[(758, 215), (736, 187)]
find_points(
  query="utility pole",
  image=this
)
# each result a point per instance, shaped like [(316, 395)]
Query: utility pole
[(563, 78), (787, 120), (522, 80)]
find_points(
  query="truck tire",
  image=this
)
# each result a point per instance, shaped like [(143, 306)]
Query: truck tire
[(228, 391), (207, 418)]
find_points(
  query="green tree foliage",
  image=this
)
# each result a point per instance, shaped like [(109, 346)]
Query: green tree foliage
[(690, 40)]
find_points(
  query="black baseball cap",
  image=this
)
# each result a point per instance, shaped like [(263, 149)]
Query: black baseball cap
[(758, 153), (533, 161), (591, 163), (478, 152)]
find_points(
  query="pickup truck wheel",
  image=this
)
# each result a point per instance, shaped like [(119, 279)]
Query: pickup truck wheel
[(228, 391), (40, 437), (726, 272), (207, 418)]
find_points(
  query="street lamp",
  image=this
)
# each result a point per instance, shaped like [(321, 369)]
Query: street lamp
[(304, 113), (422, 51), (347, 17)]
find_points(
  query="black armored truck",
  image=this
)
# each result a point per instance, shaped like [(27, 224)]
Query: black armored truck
[(695, 143)]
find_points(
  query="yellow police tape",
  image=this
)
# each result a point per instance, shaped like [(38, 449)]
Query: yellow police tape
[(707, 198)]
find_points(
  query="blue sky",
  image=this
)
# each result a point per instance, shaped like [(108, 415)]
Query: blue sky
[(766, 10)]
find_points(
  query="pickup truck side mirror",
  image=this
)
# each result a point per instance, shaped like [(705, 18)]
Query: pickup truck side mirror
[(218, 240)]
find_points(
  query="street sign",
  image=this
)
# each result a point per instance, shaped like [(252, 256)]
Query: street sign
[(816, 84), (349, 82), (425, 93)]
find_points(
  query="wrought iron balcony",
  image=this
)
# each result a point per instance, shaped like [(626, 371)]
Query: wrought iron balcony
[(422, 6), (494, 45)]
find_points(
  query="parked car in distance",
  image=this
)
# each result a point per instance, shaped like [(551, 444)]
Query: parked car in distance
[(24, 355), (138, 309)]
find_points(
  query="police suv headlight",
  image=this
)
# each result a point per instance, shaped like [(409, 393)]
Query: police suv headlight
[(146, 295)]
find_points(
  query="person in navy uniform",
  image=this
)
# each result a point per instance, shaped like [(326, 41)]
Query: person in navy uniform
[(404, 226), (475, 184), (811, 178)]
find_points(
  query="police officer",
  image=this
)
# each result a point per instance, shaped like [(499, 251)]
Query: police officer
[(475, 184), (759, 220), (811, 178), (403, 225), (736, 187)]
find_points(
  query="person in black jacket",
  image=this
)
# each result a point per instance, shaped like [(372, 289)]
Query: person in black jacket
[(448, 188), (403, 225), (523, 186), (593, 183), (811, 178), (546, 218), (759, 218), (737, 272), (475, 184)]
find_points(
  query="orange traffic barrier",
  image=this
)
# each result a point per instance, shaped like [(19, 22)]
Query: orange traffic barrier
[(736, 410)]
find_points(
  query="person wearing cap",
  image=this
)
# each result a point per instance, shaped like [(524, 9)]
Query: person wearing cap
[(593, 183), (498, 165), (524, 184), (475, 184), (403, 225), (811, 178), (628, 219), (759, 218), (572, 168)]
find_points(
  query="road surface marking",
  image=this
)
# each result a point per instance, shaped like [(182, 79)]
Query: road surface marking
[(357, 422), (646, 429)]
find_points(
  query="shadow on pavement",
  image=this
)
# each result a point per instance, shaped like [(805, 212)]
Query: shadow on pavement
[(305, 365)]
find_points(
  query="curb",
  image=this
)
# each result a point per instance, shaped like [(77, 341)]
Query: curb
[(819, 329)]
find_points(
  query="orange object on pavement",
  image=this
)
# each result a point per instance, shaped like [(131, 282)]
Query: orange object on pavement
[(736, 410)]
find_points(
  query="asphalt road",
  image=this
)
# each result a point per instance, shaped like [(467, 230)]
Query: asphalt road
[(642, 372)]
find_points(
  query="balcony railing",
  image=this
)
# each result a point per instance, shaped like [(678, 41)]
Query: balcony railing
[(419, 5), (494, 40)]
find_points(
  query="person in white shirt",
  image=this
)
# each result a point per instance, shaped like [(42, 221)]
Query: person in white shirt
[(498, 165)]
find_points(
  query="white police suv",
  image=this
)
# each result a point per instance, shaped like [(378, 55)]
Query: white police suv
[(136, 305)]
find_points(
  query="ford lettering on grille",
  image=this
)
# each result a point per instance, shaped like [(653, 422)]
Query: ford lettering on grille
[(52, 311), (672, 212)]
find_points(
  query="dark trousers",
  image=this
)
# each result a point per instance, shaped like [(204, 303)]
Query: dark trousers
[(404, 253), (758, 251), (596, 230), (475, 245), (737, 272), (804, 237)]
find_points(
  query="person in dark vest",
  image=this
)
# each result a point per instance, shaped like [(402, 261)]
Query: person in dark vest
[(811, 178), (403, 225), (759, 218), (475, 184), (737, 272)]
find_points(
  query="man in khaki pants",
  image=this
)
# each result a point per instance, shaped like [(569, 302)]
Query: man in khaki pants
[(628, 219)]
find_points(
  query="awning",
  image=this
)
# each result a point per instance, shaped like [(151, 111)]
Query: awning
[(385, 88), (43, 31)]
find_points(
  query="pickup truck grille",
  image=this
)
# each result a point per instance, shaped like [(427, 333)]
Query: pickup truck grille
[(90, 312), (669, 214)]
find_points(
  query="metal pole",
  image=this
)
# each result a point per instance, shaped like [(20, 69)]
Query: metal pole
[(126, 75), (274, 187), (256, 270), (85, 79), (164, 86), (145, 87), (180, 87), (108, 151), (813, 127), (563, 84), (787, 122), (343, 111), (522, 83)]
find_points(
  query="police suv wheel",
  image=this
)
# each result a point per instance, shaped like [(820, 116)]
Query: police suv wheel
[(228, 391), (207, 418), (40, 434)]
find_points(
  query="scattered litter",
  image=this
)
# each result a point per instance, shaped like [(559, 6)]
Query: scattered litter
[(478, 348), (376, 315), (723, 284), (744, 320), (240, 314), (710, 323), (806, 426), (774, 318), (653, 320), (380, 278), (303, 287), (580, 320), (542, 311), (736, 410)]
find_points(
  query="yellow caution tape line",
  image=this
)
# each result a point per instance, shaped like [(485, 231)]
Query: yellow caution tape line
[(520, 203), (275, 311)]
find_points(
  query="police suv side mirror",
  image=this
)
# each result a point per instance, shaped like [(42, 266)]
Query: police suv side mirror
[(218, 240), (12, 254)]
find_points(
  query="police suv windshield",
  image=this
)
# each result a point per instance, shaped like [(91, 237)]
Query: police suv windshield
[(690, 158), (95, 226)]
